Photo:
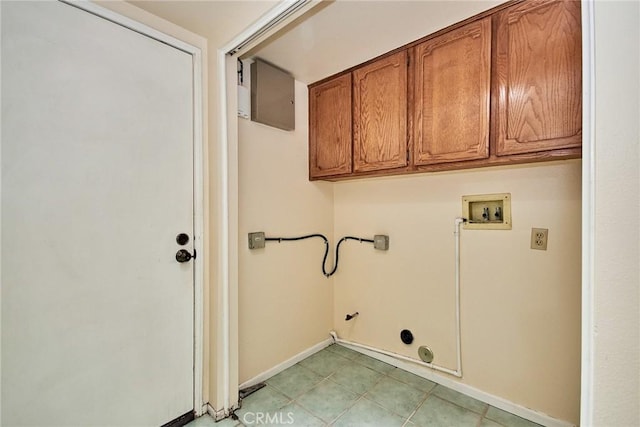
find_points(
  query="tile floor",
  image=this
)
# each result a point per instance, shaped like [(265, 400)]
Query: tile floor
[(340, 387)]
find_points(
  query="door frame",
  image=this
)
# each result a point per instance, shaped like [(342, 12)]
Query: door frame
[(588, 212), (199, 170), (226, 355)]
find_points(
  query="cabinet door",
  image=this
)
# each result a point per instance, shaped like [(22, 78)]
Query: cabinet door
[(380, 114), (452, 94), (330, 128), (538, 104)]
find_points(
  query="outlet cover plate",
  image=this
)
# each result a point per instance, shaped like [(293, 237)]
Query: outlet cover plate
[(539, 237), (381, 242), (256, 240)]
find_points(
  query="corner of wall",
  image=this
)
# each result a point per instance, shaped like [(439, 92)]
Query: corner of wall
[(282, 291)]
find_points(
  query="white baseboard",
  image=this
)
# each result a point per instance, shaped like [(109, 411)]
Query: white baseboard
[(216, 415), (286, 364), (204, 409), (498, 402)]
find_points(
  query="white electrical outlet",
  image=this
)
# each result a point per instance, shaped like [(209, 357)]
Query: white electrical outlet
[(539, 237)]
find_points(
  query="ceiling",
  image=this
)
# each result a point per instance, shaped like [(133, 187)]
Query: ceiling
[(339, 34), (333, 36), (217, 20)]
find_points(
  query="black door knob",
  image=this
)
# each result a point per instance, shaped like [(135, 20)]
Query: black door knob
[(183, 255)]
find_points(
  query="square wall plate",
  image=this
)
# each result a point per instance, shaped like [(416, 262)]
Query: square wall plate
[(487, 211)]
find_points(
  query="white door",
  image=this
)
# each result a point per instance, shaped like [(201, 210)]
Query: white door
[(97, 182)]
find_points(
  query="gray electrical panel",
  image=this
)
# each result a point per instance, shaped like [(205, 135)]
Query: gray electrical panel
[(272, 96)]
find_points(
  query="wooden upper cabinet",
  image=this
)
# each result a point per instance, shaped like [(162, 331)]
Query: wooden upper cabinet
[(538, 99), (452, 95), (503, 87), (330, 128), (380, 114)]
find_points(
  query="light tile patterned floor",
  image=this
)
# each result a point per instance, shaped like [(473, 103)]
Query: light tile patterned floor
[(340, 387)]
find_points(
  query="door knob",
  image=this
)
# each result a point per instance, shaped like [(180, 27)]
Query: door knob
[(183, 255)]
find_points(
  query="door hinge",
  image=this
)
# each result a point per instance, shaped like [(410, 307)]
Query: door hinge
[(407, 156)]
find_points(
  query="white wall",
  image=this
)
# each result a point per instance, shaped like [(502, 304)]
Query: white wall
[(520, 308), (616, 333), (285, 303)]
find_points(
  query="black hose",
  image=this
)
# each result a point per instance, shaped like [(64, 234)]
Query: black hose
[(308, 236), (335, 266), (326, 247)]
